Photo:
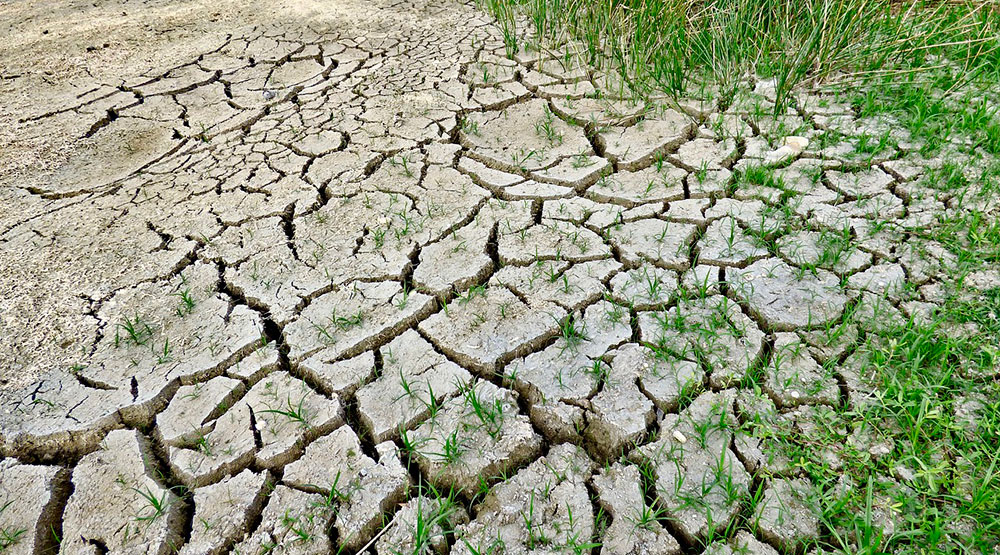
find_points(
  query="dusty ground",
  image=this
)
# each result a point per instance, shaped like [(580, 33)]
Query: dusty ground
[(269, 270)]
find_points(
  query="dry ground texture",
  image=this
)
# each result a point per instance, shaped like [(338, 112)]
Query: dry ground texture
[(302, 277)]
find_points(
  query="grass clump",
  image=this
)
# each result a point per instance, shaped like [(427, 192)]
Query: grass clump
[(946, 496), (9, 537), (673, 45)]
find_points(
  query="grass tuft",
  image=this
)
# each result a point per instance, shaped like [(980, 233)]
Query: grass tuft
[(679, 45)]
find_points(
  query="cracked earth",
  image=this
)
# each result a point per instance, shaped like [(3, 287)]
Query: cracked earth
[(272, 286)]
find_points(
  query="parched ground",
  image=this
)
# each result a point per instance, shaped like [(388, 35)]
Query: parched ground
[(297, 276)]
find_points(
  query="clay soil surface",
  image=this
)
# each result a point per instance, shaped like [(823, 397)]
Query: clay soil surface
[(302, 276)]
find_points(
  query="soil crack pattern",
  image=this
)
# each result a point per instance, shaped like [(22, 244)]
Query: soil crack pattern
[(331, 283)]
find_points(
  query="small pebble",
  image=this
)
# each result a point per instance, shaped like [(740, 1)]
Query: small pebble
[(797, 143), (681, 438)]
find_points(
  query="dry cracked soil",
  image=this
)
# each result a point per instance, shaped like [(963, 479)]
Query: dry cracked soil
[(302, 277)]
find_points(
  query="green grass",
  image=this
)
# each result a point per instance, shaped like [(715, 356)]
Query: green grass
[(915, 466), (155, 506), (9, 537), (938, 477), (935, 107), (680, 46), (432, 524), (922, 371)]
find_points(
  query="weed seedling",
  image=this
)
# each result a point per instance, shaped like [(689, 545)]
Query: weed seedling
[(164, 355), (187, 302), (137, 331), (546, 129), (489, 413), (472, 293), (296, 413), (335, 495), (571, 332), (156, 505), (9, 536), (452, 449)]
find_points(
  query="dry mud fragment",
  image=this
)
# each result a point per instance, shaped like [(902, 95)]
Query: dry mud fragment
[(743, 542), (360, 488), (621, 412), (276, 280), (701, 280), (636, 146), (421, 523), (793, 377), (785, 299), (711, 329), (292, 522), (168, 333), (706, 154), (270, 425), (665, 380), (335, 376), (789, 514), (488, 325), (603, 110), (753, 214), (551, 240), (644, 288), (261, 362), (764, 442), (862, 184), (661, 243), (523, 137), (224, 512), (193, 406), (456, 262), (29, 499), (477, 435), (545, 504), (559, 381), (571, 286), (726, 244), (834, 251), (345, 321), (925, 260), (704, 183), (117, 504), (578, 171), (415, 380), (700, 482), (883, 280), (491, 178), (657, 183), (635, 528), (59, 415), (592, 214)]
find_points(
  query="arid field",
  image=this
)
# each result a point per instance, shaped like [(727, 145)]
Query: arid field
[(338, 276)]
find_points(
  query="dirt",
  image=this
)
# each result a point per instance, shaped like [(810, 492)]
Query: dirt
[(289, 274)]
